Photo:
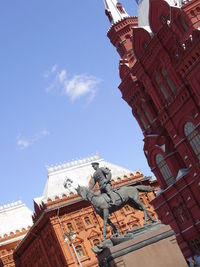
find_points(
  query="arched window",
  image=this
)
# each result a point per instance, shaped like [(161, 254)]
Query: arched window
[(146, 113), (70, 227), (162, 88), (193, 138), (181, 213), (169, 81), (96, 242), (80, 251), (178, 213), (183, 23), (87, 220), (164, 169)]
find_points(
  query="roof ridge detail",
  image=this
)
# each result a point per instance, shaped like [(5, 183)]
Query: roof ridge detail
[(11, 205), (73, 163)]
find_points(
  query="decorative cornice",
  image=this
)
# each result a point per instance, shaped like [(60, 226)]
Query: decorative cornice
[(11, 205), (16, 234), (121, 21)]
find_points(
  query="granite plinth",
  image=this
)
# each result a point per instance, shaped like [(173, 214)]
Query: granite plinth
[(153, 246)]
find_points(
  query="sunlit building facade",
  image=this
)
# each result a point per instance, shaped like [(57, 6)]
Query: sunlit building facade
[(15, 222), (159, 70)]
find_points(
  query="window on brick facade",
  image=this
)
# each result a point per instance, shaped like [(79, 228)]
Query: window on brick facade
[(178, 212), (70, 227), (181, 214), (146, 113), (142, 120), (183, 23), (87, 220), (80, 251), (96, 242), (193, 138), (195, 244), (164, 169), (169, 81), (162, 88)]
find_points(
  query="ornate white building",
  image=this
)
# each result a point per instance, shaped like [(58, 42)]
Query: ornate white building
[(15, 221)]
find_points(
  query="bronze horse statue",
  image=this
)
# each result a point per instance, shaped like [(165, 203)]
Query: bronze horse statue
[(125, 195)]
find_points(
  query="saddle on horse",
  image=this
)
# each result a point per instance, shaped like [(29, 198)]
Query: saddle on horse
[(114, 199)]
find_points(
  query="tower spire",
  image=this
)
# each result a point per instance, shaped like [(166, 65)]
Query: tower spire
[(115, 11)]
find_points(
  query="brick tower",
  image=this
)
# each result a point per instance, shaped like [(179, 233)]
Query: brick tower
[(159, 70)]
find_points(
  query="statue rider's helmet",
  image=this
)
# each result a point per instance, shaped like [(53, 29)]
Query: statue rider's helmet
[(95, 164)]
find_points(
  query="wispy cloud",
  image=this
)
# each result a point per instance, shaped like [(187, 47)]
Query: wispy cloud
[(24, 143), (51, 71), (75, 87)]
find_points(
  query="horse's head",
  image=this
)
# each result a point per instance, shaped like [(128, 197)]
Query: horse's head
[(82, 191), (67, 183)]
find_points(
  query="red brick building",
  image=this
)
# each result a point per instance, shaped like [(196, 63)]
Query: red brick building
[(159, 69)]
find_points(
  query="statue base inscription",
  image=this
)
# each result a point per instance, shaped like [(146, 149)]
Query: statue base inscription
[(151, 245)]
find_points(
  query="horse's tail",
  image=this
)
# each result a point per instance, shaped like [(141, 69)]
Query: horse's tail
[(145, 188)]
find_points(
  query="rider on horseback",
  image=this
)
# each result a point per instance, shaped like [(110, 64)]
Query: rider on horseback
[(102, 176)]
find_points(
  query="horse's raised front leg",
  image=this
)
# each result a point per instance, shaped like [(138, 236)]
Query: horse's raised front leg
[(115, 229), (105, 220)]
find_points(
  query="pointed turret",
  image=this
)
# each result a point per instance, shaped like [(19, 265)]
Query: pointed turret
[(114, 11), (121, 25)]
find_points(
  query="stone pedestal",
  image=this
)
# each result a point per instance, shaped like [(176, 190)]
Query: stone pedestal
[(153, 246)]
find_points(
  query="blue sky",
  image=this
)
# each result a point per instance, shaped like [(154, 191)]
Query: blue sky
[(59, 93)]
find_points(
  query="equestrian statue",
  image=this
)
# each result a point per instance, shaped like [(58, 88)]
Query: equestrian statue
[(110, 200)]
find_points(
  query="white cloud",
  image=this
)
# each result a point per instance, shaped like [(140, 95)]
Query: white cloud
[(81, 85), (54, 68), (75, 87), (62, 76), (48, 73), (44, 132), (24, 143)]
